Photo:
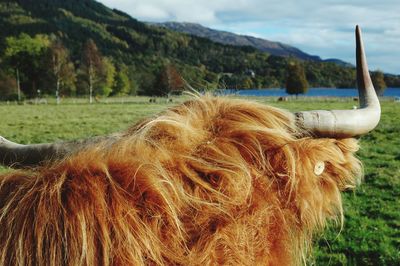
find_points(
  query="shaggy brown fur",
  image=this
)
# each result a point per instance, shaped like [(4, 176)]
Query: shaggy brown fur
[(212, 181)]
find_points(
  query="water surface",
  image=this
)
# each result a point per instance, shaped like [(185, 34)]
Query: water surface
[(312, 92)]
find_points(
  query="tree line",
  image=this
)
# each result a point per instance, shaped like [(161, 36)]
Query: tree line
[(297, 83), (37, 65), (84, 48), (42, 65)]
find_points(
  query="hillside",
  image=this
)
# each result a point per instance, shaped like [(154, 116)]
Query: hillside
[(141, 52), (224, 37)]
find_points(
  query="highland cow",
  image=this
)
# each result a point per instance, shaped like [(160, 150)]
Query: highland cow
[(212, 181)]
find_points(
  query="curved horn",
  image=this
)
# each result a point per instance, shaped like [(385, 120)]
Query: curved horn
[(18, 156), (347, 123)]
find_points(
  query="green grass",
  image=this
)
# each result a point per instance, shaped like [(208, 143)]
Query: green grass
[(371, 232)]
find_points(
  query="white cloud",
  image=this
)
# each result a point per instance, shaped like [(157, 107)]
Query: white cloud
[(324, 27), (179, 10), (152, 12)]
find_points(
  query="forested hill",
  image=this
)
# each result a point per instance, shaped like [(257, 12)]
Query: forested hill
[(224, 37), (131, 56), (274, 48)]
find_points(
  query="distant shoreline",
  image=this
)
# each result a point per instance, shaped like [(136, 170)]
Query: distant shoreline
[(312, 92)]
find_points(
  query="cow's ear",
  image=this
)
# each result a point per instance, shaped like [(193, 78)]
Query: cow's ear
[(323, 159), (318, 170), (345, 167)]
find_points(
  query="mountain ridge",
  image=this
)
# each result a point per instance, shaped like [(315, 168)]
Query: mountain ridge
[(225, 37)]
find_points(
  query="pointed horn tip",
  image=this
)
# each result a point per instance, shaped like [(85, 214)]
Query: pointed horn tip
[(338, 123), (358, 33)]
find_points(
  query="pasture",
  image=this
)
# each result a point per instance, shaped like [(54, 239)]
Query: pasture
[(371, 230)]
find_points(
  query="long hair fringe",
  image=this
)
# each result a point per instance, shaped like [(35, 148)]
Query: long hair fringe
[(212, 181)]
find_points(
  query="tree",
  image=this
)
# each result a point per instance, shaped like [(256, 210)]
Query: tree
[(392, 81), (106, 79), (7, 87), (62, 70), (122, 83), (92, 66), (247, 83), (24, 54), (168, 81), (133, 79), (68, 81), (378, 79), (146, 83), (296, 81)]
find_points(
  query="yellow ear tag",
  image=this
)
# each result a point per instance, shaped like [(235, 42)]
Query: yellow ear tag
[(319, 168)]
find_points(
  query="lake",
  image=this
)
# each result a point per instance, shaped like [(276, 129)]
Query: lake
[(313, 92)]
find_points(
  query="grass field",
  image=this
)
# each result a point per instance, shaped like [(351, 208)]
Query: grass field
[(371, 232)]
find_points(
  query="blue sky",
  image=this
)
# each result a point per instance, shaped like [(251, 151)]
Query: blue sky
[(324, 28)]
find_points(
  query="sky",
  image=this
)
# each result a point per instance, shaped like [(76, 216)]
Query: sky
[(324, 28)]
